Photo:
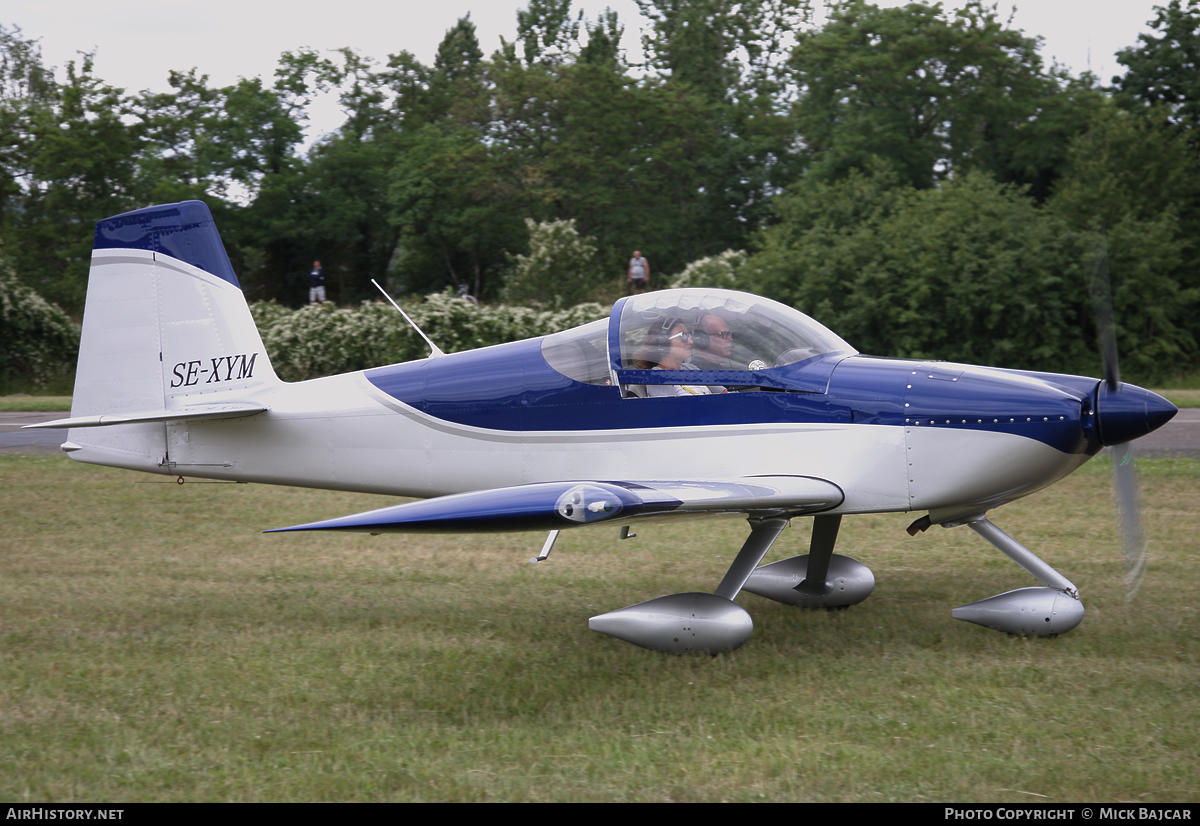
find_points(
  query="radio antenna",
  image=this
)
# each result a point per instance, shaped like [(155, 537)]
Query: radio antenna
[(437, 351)]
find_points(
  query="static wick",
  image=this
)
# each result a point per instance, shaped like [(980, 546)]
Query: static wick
[(436, 351)]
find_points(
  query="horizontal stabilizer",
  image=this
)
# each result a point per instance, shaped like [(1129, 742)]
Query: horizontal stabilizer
[(556, 505), (191, 413)]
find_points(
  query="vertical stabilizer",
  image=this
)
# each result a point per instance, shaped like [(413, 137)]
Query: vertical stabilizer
[(165, 327)]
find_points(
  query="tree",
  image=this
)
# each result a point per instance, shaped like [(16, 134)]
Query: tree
[(26, 86), (458, 55), (40, 342), (1133, 179), (589, 143), (546, 32), (721, 271), (80, 167), (604, 40), (731, 55), (932, 94), (453, 227), (723, 49), (1162, 69)]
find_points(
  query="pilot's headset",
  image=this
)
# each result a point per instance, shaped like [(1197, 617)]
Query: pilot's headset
[(660, 333)]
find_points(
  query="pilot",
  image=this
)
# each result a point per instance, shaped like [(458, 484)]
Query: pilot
[(712, 346), (678, 350)]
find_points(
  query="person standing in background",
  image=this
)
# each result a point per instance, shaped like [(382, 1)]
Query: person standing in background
[(316, 284), (638, 276)]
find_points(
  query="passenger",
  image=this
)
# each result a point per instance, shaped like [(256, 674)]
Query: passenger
[(711, 350), (712, 346), (670, 355)]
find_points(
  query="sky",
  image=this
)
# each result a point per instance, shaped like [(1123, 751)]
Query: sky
[(138, 43)]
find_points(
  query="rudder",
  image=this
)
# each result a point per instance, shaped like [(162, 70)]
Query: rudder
[(167, 334)]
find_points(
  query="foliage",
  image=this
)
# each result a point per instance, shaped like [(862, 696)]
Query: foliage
[(1134, 179), (40, 342), (321, 339), (1161, 69), (624, 159), (25, 86), (441, 197), (79, 160), (560, 269), (458, 55), (970, 271), (719, 271), (546, 31), (724, 49), (931, 93)]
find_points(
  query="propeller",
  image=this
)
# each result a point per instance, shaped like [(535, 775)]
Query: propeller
[(1124, 469)]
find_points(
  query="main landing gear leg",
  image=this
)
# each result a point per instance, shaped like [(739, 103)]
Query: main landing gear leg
[(763, 533), (1029, 612), (697, 622), (818, 579)]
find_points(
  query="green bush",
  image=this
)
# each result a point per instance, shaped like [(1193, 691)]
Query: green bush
[(715, 271), (562, 267), (40, 343), (971, 271)]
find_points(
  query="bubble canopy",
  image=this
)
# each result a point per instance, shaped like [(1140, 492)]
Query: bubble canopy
[(728, 330), (729, 338)]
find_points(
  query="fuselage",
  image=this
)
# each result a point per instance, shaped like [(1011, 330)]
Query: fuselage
[(895, 435)]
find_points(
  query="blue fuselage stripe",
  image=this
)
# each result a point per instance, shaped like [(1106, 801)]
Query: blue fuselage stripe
[(511, 388)]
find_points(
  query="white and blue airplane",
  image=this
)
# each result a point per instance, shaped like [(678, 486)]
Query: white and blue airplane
[(603, 425)]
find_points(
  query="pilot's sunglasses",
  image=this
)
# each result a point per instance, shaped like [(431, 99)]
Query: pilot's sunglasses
[(687, 337), (725, 334)]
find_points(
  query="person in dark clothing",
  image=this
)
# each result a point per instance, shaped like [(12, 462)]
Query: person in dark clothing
[(316, 283)]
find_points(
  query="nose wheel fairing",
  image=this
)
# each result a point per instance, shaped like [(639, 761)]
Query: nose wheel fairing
[(1025, 612), (1028, 612)]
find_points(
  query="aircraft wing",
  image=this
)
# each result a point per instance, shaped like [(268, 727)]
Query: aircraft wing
[(556, 505)]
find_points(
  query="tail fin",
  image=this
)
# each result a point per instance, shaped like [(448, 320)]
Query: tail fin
[(167, 335)]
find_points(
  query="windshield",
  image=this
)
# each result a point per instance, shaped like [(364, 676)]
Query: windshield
[(728, 331), (580, 353)]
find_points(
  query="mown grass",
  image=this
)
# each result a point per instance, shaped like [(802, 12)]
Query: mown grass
[(154, 645), (22, 402), (1181, 398)]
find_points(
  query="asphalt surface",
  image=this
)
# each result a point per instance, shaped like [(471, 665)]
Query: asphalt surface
[(1179, 437), (15, 440)]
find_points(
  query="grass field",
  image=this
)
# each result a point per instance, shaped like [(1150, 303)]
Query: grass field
[(155, 646), (21, 402), (1181, 398)]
